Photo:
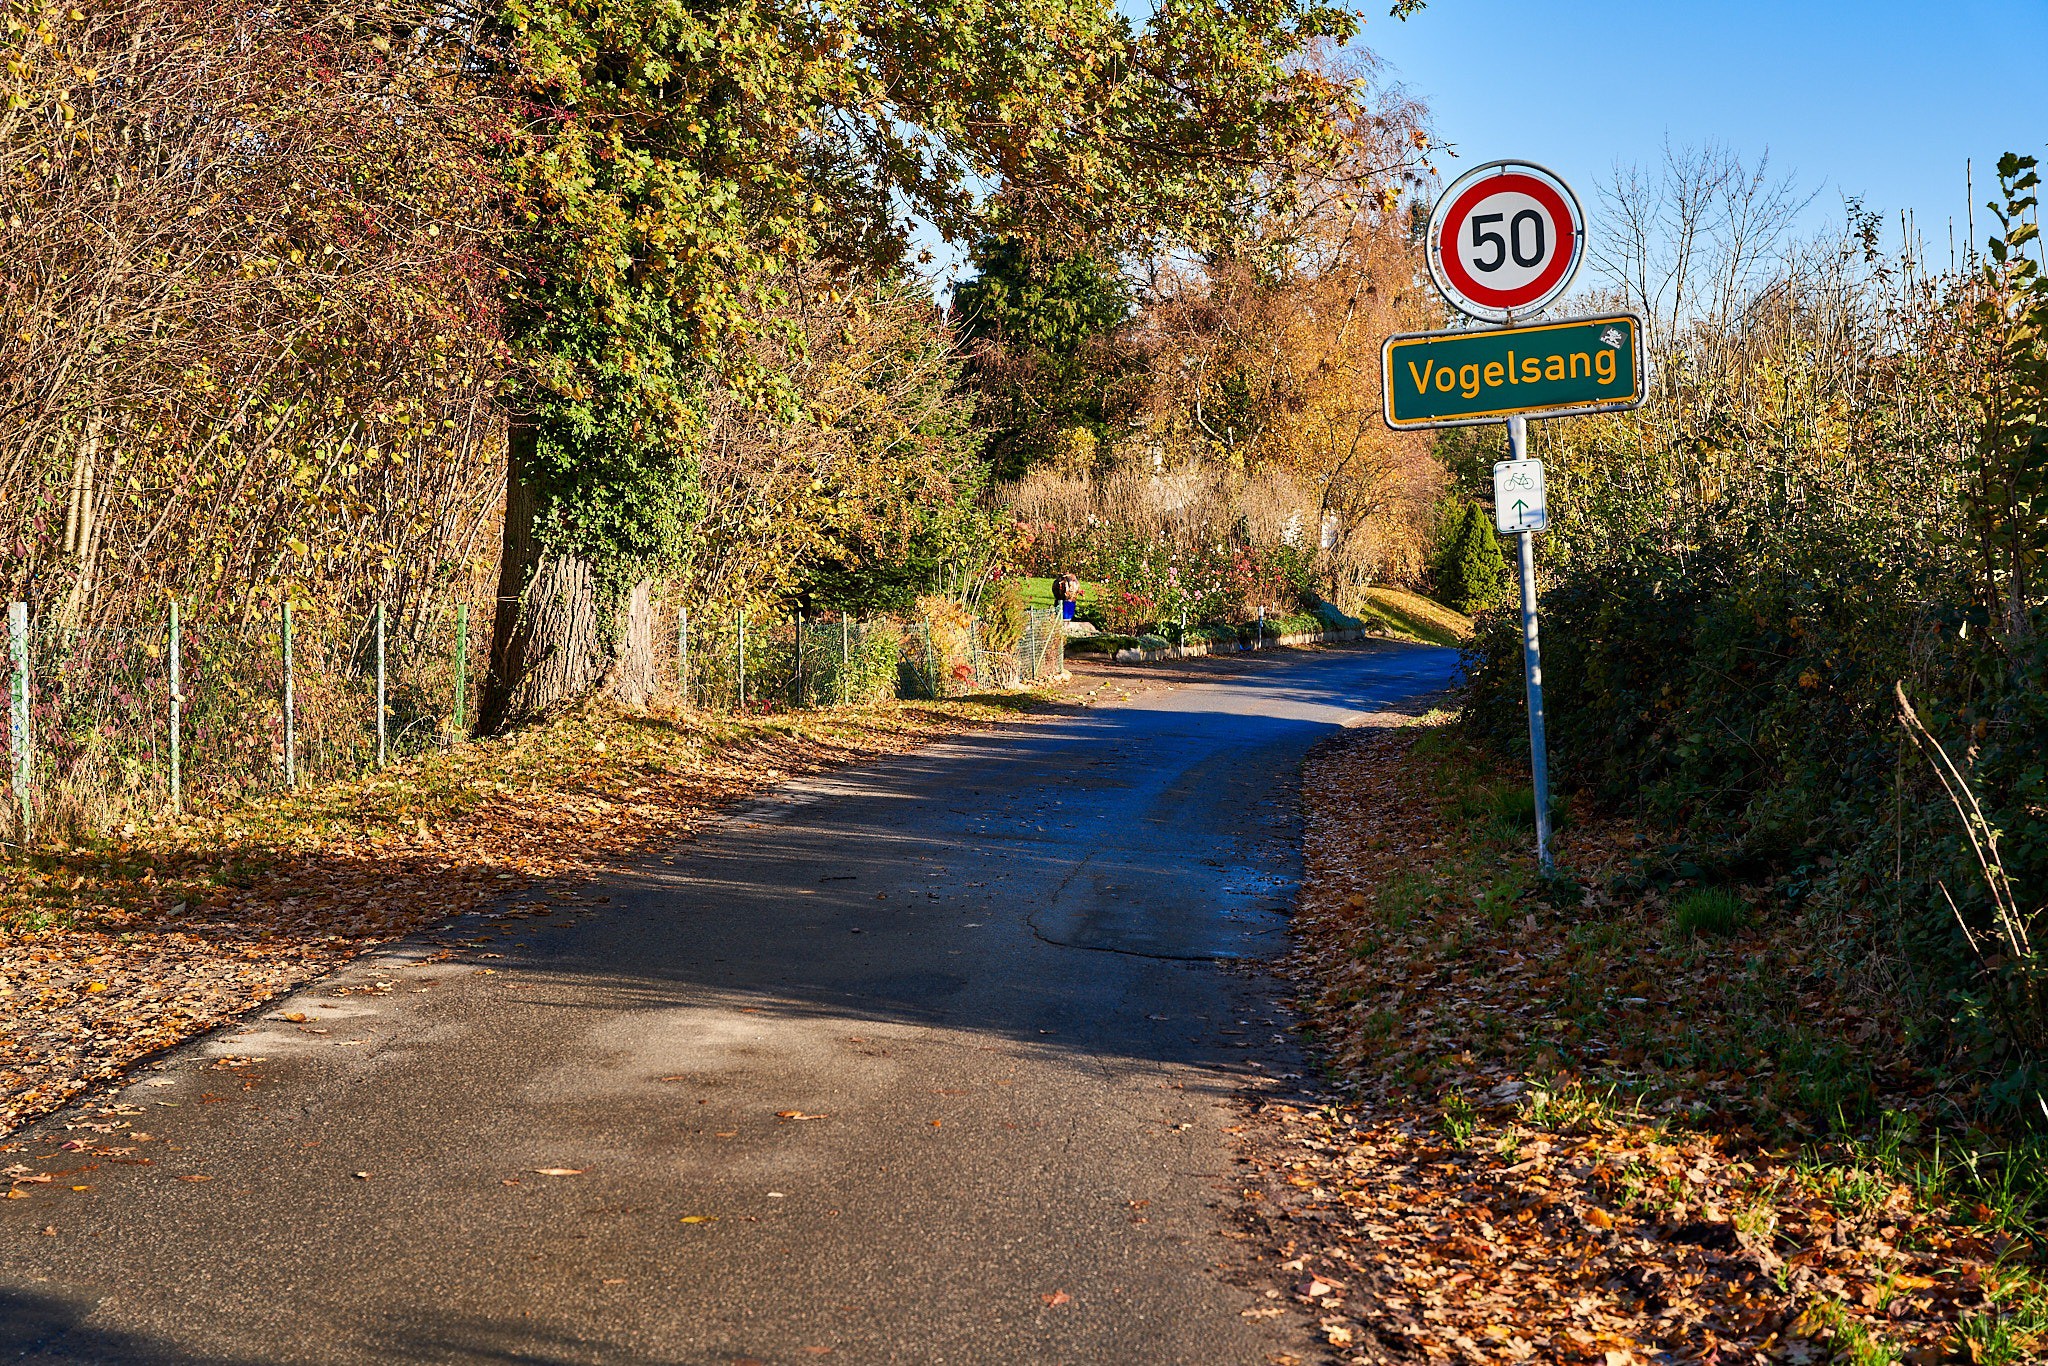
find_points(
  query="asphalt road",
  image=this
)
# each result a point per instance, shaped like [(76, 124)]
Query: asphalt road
[(928, 1062)]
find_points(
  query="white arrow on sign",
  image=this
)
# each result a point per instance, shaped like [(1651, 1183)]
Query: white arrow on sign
[(1518, 496)]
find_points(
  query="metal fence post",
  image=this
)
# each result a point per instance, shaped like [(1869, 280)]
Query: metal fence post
[(18, 714), (740, 660), (845, 658), (291, 763), (381, 750), (461, 664), (177, 716), (797, 688)]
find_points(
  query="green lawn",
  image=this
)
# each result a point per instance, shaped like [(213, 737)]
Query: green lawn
[(1413, 615), (1038, 592)]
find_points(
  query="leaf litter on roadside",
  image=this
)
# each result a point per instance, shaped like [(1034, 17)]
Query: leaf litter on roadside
[(114, 952), (1533, 1160)]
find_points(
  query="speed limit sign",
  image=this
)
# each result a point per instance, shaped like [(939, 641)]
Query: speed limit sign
[(1505, 240)]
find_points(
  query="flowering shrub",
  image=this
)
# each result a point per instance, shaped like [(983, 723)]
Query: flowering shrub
[(1149, 579)]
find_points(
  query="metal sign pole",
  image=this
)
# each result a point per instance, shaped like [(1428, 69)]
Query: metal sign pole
[(382, 751), (1532, 659), (461, 726)]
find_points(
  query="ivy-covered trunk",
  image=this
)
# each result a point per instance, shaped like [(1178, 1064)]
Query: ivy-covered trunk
[(558, 635)]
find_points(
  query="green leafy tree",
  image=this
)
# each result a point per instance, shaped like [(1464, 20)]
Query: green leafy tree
[(670, 164), (1468, 569), (2006, 495), (1039, 327)]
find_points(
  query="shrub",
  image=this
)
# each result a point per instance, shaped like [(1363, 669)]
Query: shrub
[(1003, 616)]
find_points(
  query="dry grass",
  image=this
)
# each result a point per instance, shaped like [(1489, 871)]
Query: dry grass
[(1182, 503)]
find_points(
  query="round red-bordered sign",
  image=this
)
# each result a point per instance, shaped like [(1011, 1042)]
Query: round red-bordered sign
[(1505, 239)]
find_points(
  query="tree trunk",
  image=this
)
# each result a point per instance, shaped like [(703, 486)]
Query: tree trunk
[(553, 642), (632, 674)]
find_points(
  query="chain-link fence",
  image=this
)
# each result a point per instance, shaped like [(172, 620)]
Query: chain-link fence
[(729, 661), (945, 659), (205, 709)]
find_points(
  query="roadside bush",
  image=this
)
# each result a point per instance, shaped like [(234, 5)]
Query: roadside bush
[(1735, 589), (1003, 616), (1335, 618)]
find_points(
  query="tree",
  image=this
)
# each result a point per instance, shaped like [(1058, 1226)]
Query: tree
[(1468, 569), (1039, 328), (859, 501), (250, 308), (1261, 355), (670, 165)]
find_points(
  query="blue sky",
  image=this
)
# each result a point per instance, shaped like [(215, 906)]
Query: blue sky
[(1882, 100)]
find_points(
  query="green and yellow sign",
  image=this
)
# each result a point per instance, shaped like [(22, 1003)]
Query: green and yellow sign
[(1456, 379)]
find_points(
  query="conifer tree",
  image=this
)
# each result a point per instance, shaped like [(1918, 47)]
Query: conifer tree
[(1470, 573)]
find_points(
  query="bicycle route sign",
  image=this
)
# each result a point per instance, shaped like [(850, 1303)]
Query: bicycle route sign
[(1518, 496)]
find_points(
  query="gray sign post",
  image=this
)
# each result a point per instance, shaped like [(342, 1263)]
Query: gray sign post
[(1532, 653)]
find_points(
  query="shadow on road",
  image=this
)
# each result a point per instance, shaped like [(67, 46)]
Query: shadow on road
[(932, 1038)]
